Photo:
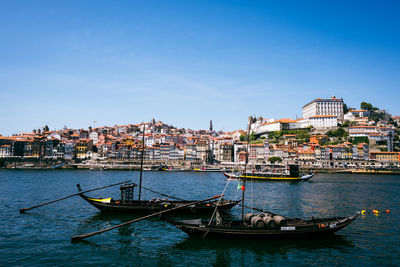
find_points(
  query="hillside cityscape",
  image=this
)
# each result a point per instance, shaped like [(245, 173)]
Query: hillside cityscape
[(329, 135)]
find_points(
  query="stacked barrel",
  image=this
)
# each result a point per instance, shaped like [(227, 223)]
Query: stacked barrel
[(265, 220)]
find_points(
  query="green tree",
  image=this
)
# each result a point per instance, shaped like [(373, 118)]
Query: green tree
[(274, 159), (366, 106), (345, 109)]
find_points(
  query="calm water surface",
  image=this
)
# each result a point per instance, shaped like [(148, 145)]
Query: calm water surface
[(41, 237)]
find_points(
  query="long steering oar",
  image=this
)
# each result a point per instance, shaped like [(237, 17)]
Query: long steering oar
[(34, 207), (80, 237)]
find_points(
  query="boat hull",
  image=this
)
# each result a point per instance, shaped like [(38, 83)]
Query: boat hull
[(207, 170), (330, 226), (150, 206), (256, 176)]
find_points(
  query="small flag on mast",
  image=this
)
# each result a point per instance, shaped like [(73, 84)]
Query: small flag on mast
[(240, 187)]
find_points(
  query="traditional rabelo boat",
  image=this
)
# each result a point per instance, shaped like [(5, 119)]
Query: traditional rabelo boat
[(262, 225), (291, 174), (129, 204)]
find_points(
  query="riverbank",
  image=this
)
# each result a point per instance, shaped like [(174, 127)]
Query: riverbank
[(176, 166)]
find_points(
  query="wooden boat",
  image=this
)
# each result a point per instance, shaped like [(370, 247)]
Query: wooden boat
[(292, 176), (263, 226), (128, 204)]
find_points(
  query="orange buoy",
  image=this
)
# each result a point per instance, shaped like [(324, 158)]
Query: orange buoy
[(387, 211)]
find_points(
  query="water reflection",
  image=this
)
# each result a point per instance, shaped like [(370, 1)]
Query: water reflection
[(236, 250)]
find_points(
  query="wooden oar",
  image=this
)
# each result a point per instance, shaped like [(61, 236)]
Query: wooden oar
[(80, 237), (34, 207)]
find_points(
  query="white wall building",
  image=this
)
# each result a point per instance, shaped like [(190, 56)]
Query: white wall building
[(319, 106), (94, 136), (279, 125), (323, 121)]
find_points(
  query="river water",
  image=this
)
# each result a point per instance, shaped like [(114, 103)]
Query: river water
[(41, 237)]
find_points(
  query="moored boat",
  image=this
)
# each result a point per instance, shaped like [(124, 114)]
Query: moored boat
[(208, 169), (128, 204), (292, 176), (376, 171), (263, 226)]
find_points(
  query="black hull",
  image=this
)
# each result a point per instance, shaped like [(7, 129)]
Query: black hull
[(311, 228), (272, 178), (148, 207)]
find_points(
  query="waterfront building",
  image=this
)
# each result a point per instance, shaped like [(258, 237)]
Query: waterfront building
[(165, 151), (94, 136), (319, 106), (360, 151), (69, 150), (306, 154), (387, 157), (256, 153), (5, 151), (202, 150), (340, 152), (190, 152), (322, 153), (82, 147), (18, 148), (50, 148)]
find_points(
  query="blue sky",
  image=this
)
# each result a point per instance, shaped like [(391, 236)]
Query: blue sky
[(187, 62)]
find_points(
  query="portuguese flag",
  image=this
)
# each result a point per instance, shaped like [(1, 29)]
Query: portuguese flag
[(240, 187)]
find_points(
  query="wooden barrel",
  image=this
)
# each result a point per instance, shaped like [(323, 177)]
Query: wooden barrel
[(247, 217), (269, 222), (257, 221), (280, 220)]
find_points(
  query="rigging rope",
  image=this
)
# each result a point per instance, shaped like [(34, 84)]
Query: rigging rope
[(161, 194), (219, 200)]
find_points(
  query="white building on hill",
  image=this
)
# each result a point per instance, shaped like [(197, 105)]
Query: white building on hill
[(319, 106)]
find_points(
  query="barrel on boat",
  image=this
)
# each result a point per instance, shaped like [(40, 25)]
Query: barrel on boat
[(247, 217), (269, 222), (280, 220), (257, 221)]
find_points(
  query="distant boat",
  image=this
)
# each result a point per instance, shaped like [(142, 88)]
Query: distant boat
[(292, 175), (208, 169), (376, 171)]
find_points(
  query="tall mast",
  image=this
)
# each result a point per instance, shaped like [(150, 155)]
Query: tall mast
[(245, 164), (141, 164)]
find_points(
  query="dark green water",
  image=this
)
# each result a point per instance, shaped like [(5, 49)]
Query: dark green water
[(41, 237)]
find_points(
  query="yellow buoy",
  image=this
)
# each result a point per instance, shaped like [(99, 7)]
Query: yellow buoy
[(363, 212)]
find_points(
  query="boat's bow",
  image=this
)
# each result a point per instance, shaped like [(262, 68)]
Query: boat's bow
[(307, 177)]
